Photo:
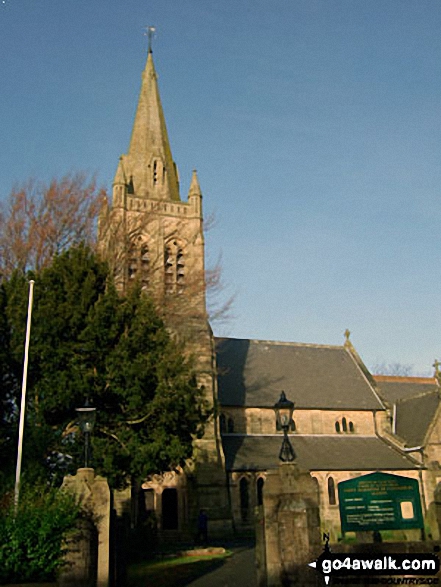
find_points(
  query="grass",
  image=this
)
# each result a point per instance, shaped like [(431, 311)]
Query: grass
[(173, 572)]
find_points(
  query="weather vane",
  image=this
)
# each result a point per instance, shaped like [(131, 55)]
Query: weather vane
[(150, 32)]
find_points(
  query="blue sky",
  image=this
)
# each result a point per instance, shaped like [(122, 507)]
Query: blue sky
[(315, 128)]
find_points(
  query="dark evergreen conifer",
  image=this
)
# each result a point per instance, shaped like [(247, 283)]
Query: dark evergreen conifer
[(88, 342)]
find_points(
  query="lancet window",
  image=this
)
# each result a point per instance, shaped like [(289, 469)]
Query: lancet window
[(138, 263), (344, 425), (174, 268), (331, 491)]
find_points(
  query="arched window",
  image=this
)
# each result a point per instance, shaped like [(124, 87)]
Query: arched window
[(132, 262), (222, 423), (344, 426), (260, 483), (244, 499), (174, 268), (138, 262), (145, 265), (168, 271), (180, 270), (230, 425), (292, 426), (331, 491)]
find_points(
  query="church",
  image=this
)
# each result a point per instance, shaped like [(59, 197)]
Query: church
[(347, 422)]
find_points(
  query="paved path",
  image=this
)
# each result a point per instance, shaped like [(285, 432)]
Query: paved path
[(239, 570)]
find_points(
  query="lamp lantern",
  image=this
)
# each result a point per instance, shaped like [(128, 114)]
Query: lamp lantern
[(284, 410), (86, 421)]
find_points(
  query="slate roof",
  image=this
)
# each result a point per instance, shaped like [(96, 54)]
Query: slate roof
[(319, 452), (394, 388), (414, 416), (254, 372)]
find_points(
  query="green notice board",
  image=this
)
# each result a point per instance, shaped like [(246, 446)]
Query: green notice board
[(379, 501)]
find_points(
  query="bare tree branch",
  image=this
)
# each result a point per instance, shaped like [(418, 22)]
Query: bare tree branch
[(38, 221)]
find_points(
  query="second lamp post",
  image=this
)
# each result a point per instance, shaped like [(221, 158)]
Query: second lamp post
[(86, 420)]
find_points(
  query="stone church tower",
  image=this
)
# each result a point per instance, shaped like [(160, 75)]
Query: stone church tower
[(149, 235)]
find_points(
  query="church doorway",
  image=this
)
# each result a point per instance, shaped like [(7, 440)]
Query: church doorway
[(244, 499), (170, 509)]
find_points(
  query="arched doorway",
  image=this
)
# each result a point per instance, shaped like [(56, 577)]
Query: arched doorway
[(170, 509), (260, 483), (244, 499)]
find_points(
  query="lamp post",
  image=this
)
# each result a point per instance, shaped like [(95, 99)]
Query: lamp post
[(86, 420), (284, 409)]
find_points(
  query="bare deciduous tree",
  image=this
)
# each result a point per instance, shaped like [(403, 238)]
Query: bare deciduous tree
[(39, 220), (119, 235), (395, 369)]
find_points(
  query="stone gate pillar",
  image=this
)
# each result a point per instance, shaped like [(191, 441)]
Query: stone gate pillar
[(291, 527), (94, 495)]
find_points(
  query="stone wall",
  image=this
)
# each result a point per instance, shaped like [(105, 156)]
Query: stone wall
[(288, 528), (88, 557)]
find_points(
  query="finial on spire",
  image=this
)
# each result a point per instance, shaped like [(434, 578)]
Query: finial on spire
[(347, 334), (150, 33)]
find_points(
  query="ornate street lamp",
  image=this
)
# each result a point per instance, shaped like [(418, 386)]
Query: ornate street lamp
[(86, 420), (284, 410)]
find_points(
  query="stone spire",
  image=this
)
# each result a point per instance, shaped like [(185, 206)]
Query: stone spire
[(149, 161)]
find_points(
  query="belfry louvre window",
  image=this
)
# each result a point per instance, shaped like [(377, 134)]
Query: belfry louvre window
[(174, 269), (138, 264), (132, 265), (180, 270), (145, 265), (169, 270)]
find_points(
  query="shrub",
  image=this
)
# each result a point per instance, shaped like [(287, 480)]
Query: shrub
[(31, 542)]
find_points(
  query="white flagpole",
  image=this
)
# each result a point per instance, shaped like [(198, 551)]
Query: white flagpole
[(23, 397)]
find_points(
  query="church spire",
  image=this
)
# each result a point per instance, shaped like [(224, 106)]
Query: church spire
[(149, 160)]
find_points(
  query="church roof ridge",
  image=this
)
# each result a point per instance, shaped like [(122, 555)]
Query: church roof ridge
[(284, 343), (405, 379), (417, 396)]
